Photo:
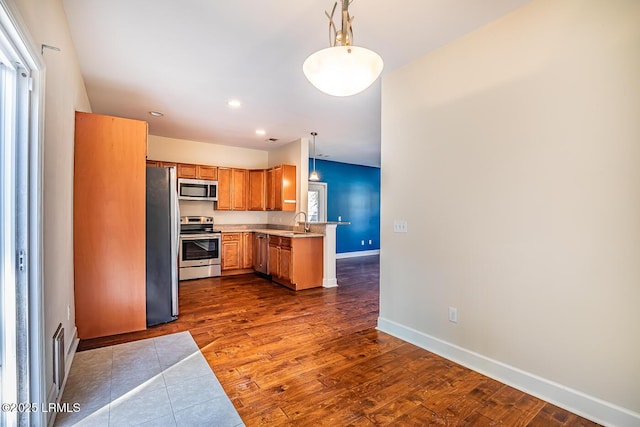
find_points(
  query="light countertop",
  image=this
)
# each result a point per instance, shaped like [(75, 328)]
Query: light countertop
[(274, 232)]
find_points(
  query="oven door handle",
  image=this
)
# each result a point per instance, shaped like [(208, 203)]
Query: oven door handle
[(200, 236)]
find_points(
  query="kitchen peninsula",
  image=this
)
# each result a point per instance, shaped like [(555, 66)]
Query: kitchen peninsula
[(247, 247), (291, 258)]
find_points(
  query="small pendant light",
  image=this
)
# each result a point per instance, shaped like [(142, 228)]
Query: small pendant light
[(313, 176)]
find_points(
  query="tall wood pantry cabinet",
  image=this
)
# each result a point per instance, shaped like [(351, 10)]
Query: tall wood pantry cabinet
[(109, 225)]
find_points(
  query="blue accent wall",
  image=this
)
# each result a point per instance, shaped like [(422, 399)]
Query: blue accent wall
[(353, 193)]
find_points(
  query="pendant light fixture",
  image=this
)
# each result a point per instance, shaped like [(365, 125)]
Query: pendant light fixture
[(313, 176), (342, 69)]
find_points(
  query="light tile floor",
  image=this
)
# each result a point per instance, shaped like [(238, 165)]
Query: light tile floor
[(163, 381)]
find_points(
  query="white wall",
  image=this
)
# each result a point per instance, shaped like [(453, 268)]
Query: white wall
[(514, 155), (184, 151), (65, 93), (294, 153)]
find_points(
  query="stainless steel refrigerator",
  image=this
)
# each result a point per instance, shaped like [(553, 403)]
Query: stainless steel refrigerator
[(163, 224)]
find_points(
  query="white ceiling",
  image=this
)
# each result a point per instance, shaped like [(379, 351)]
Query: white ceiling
[(187, 58)]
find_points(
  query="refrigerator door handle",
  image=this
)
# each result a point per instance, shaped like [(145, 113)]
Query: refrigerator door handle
[(177, 223), (175, 236)]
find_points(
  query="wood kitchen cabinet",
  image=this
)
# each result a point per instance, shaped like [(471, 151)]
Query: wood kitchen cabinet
[(207, 172), (186, 170), (288, 188), (274, 257), (109, 225), (274, 189), (269, 191), (296, 263), (237, 251), (160, 164), (232, 189), (231, 251), (224, 189), (285, 265), (241, 189), (247, 250), (281, 188), (257, 199)]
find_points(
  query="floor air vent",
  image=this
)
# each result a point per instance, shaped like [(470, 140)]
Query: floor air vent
[(58, 357)]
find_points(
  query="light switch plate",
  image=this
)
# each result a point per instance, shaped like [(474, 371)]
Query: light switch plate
[(399, 226), (453, 315)]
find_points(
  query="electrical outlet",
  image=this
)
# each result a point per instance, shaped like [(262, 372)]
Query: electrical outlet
[(339, 218), (399, 226), (362, 242), (453, 314), (370, 241)]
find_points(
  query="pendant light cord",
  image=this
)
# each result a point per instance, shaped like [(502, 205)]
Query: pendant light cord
[(314, 149), (314, 175)]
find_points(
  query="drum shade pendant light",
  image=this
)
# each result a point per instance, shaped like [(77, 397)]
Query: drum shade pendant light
[(313, 176), (342, 69)]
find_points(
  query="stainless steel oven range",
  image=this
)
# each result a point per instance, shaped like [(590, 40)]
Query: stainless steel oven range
[(200, 248)]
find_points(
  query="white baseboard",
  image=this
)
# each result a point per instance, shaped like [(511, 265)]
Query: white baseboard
[(357, 254), (329, 283), (579, 403), (69, 356)]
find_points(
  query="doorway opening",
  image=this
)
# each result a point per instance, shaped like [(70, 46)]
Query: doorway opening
[(317, 202)]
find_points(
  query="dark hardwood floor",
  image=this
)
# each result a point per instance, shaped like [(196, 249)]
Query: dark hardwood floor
[(314, 357)]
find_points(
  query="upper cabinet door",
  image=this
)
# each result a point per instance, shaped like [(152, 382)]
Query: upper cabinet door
[(270, 197), (289, 194), (239, 189), (257, 197), (187, 171), (224, 189), (277, 188), (232, 189), (207, 172), (281, 188)]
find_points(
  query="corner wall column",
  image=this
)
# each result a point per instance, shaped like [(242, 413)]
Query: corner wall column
[(329, 279)]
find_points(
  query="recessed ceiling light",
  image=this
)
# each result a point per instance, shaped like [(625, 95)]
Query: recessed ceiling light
[(261, 132), (156, 113), (233, 103)]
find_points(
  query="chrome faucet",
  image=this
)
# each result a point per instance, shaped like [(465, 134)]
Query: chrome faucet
[(307, 226)]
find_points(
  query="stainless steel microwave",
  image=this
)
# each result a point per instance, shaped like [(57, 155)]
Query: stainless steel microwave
[(197, 189)]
